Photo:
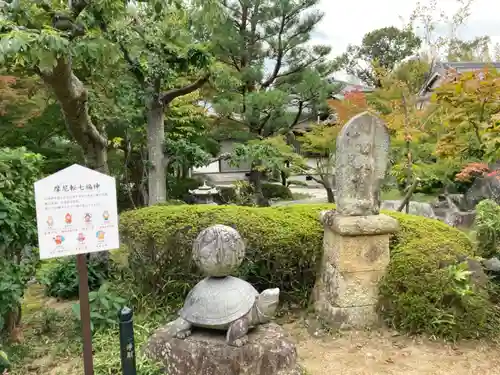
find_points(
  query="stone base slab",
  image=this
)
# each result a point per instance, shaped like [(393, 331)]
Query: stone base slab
[(358, 225), (268, 352), (347, 289), (357, 317), (358, 254)]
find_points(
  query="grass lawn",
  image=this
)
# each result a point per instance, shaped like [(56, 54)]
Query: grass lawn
[(50, 343), (52, 346)]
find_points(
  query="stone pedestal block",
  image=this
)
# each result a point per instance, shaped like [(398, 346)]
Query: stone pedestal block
[(355, 258), (269, 351)]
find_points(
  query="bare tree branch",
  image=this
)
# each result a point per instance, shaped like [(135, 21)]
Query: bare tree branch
[(279, 55), (168, 96), (133, 64)]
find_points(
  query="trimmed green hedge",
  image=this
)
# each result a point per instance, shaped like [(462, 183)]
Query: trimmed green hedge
[(284, 248)]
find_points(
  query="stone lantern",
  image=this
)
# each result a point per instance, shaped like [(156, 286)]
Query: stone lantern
[(204, 194)]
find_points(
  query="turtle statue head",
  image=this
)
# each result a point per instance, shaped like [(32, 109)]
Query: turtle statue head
[(266, 304)]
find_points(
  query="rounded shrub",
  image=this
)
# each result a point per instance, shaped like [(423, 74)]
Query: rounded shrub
[(284, 249), (420, 295), (171, 202), (61, 278), (276, 191)]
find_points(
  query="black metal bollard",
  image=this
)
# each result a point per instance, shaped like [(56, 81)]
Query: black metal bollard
[(127, 346)]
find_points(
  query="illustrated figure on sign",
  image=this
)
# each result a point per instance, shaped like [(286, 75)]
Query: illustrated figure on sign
[(58, 239), (87, 218), (105, 215), (68, 219), (100, 235), (81, 237), (50, 221)]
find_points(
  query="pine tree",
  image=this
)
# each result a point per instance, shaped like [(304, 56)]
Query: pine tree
[(273, 79)]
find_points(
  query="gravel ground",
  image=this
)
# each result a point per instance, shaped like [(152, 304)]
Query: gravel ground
[(385, 353)]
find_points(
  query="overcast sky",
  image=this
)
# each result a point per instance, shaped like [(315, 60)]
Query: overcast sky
[(346, 22)]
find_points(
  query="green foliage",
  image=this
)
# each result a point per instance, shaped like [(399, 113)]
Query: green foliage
[(487, 228), (276, 191), (4, 361), (14, 277), (171, 202), (271, 155), (470, 108), (61, 281), (227, 194), (241, 193), (268, 104), (178, 189), (382, 48), (284, 248), (19, 170), (419, 297), (104, 308)]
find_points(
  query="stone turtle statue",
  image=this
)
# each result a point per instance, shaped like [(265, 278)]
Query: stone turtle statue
[(225, 303)]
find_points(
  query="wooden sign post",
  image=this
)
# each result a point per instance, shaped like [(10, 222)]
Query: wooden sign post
[(77, 214)]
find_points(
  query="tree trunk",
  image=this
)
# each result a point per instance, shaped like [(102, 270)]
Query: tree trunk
[(73, 98), (283, 178), (329, 194), (157, 176), (256, 181)]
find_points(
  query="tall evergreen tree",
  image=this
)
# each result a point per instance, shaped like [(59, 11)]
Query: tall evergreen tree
[(276, 78)]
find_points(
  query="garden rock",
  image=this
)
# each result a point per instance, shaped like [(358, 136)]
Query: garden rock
[(460, 219), (416, 208), (492, 264), (487, 187), (478, 275), (269, 351)]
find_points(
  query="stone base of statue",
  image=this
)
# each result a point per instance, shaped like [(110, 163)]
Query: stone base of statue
[(269, 351), (356, 255)]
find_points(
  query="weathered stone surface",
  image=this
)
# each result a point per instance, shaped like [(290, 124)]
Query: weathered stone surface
[(492, 264), (416, 208), (460, 219), (361, 164), (218, 250), (359, 225), (355, 258), (348, 317), (487, 187), (348, 289), (359, 254), (268, 352)]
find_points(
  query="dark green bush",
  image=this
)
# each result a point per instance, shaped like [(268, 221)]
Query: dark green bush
[(276, 191), (61, 281), (171, 202), (179, 189), (280, 247), (284, 247), (227, 194)]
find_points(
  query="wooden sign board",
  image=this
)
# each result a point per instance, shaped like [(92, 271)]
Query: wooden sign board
[(76, 213)]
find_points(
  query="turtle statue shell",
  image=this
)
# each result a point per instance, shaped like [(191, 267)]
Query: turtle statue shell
[(218, 301)]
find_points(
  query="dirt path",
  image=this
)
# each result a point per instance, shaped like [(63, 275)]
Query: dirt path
[(377, 353)]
